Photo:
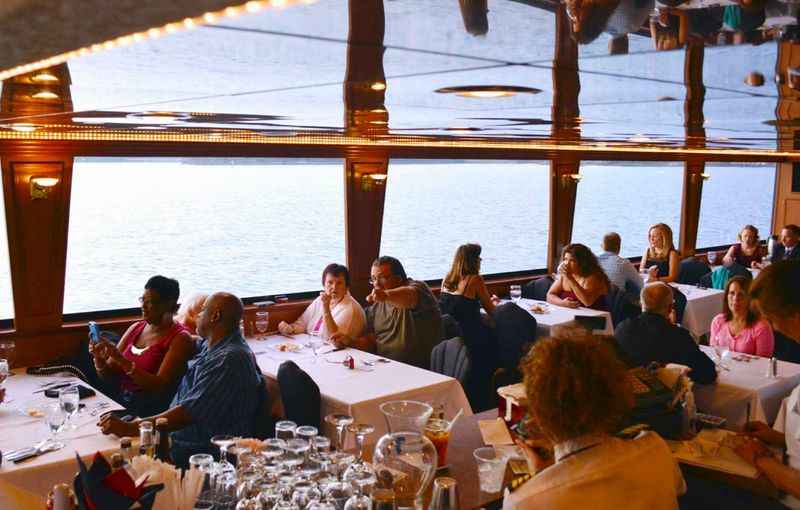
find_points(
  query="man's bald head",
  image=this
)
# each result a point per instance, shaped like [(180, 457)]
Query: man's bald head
[(221, 314), (657, 298)]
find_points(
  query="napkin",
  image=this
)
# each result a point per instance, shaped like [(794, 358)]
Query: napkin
[(494, 432), (98, 487), (180, 489)]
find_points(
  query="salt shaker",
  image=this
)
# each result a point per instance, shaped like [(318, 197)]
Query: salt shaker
[(772, 368)]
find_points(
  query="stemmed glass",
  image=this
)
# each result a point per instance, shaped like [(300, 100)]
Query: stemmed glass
[(7, 353), (273, 449), (68, 399), (285, 430), (712, 258), (55, 418), (4, 371), (295, 453), (262, 322), (340, 421), (515, 291), (223, 442), (361, 431)]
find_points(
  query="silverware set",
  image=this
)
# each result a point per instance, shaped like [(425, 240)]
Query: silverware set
[(30, 452)]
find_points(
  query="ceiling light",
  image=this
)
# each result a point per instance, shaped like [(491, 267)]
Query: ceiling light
[(44, 77), (23, 128), (45, 94), (487, 91)]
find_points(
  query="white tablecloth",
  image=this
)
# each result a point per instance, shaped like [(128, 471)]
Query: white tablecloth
[(701, 307), (359, 392), (743, 383), (25, 485), (561, 316)]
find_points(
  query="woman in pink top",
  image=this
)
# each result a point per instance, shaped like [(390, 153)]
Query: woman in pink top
[(143, 369), (739, 327)]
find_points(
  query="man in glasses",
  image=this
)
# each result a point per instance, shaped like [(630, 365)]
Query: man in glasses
[(404, 322)]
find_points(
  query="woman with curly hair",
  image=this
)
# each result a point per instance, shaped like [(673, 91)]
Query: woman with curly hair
[(578, 395), (581, 281)]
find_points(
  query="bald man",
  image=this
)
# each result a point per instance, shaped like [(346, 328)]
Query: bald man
[(653, 337), (220, 392)]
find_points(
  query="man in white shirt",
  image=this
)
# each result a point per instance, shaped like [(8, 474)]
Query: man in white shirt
[(578, 392), (620, 271)]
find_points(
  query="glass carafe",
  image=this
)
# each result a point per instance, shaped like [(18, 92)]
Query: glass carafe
[(405, 460)]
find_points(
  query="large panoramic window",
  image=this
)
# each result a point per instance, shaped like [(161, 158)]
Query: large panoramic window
[(249, 226), (433, 206), (736, 194), (6, 295), (626, 198)]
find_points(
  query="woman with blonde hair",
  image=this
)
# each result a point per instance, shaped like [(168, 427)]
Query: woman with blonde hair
[(581, 281), (661, 258), (189, 310), (747, 252)]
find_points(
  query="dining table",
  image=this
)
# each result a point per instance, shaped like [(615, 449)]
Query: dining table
[(702, 305), (549, 316), (358, 391), (743, 382), (25, 485)]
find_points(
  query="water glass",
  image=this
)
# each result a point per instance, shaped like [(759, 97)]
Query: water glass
[(4, 370), (69, 399), (321, 444), (55, 418), (262, 322), (712, 258), (491, 469), (515, 291), (285, 430), (7, 350)]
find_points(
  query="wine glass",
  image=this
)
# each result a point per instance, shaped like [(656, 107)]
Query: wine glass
[(273, 448), (4, 371), (295, 453), (340, 421), (223, 442), (304, 493), (68, 399), (361, 431), (55, 418), (515, 291), (338, 493), (284, 429), (712, 258), (262, 322), (308, 433), (7, 353)]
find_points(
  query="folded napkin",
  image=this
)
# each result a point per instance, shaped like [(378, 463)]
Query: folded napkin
[(101, 488), (180, 489), (494, 432)]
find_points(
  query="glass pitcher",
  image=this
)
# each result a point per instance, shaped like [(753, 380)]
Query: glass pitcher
[(405, 460)]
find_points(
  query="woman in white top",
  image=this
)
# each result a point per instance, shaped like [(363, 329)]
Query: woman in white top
[(334, 311)]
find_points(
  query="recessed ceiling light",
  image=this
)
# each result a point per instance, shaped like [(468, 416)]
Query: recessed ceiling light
[(44, 77), (45, 94), (487, 91)]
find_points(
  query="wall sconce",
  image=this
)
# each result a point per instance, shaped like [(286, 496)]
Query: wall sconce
[(41, 186), (371, 181), (568, 179)]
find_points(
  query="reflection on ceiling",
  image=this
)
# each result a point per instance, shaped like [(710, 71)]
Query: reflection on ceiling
[(428, 73)]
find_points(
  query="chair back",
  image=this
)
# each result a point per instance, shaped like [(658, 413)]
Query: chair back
[(264, 426), (300, 395), (515, 329), (451, 358), (620, 306), (691, 270), (537, 289)]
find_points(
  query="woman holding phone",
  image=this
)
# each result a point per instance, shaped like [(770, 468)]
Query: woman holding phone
[(143, 369)]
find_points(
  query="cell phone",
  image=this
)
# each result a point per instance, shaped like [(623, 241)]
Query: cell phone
[(94, 332), (711, 421)]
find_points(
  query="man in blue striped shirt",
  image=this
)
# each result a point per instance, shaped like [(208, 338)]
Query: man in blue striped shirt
[(219, 394), (619, 270)]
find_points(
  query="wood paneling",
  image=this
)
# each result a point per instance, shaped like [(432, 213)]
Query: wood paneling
[(785, 208)]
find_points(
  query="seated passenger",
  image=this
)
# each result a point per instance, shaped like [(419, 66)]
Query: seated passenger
[(739, 327), (653, 337), (620, 271), (334, 311), (774, 292), (219, 394), (661, 258), (143, 369), (787, 249), (581, 281), (404, 322), (578, 395), (189, 310), (747, 252)]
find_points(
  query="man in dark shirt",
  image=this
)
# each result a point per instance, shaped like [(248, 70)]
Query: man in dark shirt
[(219, 394), (788, 248), (652, 337)]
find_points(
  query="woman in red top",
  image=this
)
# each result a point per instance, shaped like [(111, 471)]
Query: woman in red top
[(145, 366)]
